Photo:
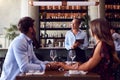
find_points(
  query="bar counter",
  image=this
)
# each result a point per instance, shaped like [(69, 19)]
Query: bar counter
[(59, 75)]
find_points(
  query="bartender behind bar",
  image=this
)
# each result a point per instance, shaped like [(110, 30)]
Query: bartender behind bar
[(76, 39)]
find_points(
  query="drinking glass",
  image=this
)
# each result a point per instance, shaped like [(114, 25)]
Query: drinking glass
[(72, 54), (53, 54)]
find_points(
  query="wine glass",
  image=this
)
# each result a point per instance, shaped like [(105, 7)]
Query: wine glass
[(72, 54), (53, 54)]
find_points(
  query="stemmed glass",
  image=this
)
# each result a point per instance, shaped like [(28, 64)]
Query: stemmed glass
[(72, 54), (53, 54)]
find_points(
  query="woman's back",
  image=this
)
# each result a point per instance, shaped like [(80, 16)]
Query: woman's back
[(104, 67)]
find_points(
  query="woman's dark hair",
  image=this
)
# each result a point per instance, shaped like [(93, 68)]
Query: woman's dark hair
[(25, 23), (101, 28)]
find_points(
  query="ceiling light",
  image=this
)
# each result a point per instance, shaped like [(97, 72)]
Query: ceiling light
[(63, 3), (45, 3), (82, 3)]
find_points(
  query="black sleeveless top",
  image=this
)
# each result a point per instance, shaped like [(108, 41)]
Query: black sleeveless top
[(104, 67)]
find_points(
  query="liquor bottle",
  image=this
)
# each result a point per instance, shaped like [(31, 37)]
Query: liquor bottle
[(49, 43), (46, 35)]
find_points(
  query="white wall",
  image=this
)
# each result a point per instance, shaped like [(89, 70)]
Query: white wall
[(10, 12), (24, 8), (93, 11)]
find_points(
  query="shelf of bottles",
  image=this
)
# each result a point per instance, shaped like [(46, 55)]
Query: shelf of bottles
[(52, 36), (55, 21), (112, 9), (53, 31), (61, 13)]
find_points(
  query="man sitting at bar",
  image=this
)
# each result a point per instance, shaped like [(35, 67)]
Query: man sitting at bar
[(20, 57)]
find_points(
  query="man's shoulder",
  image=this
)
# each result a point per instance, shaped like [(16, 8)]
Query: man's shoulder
[(83, 32), (68, 31), (116, 35), (19, 39)]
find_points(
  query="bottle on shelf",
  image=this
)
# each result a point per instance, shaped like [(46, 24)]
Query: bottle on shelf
[(45, 35), (49, 43)]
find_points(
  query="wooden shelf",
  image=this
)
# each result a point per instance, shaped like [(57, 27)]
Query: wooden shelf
[(55, 20), (64, 11), (59, 28), (113, 19), (52, 37), (55, 28), (112, 10)]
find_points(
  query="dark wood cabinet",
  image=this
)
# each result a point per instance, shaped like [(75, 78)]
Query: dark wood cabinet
[(112, 12)]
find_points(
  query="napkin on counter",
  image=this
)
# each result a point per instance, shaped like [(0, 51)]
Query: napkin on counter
[(35, 73), (77, 72), (69, 62)]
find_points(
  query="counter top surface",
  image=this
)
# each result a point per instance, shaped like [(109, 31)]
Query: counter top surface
[(59, 75)]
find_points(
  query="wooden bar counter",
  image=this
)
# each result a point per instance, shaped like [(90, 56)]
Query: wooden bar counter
[(59, 75)]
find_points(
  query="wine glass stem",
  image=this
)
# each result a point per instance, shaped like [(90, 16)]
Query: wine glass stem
[(53, 59), (72, 62)]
